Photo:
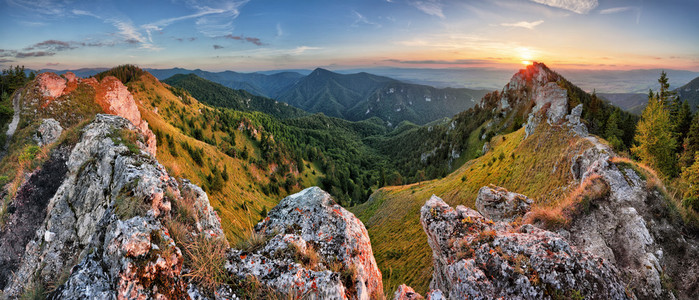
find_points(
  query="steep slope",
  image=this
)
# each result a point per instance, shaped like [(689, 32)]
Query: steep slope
[(690, 93), (360, 96), (215, 94), (550, 160)]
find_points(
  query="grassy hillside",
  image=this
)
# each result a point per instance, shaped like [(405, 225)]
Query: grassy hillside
[(231, 146), (218, 95), (538, 167)]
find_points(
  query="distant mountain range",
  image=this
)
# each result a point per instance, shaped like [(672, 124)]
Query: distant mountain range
[(216, 94), (636, 102), (360, 96)]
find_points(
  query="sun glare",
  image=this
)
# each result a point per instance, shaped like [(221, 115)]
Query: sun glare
[(526, 62)]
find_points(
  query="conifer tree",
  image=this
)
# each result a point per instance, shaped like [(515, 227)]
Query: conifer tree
[(691, 143), (656, 142), (612, 132)]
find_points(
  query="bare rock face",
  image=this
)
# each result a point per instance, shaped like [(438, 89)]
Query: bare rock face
[(89, 232), (635, 229), (70, 76), (116, 99), (50, 84), (498, 204), (310, 224), (48, 132), (476, 258), (405, 292)]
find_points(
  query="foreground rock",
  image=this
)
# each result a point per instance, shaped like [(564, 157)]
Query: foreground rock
[(315, 247), (100, 232), (636, 228), (405, 292), (475, 257), (498, 204)]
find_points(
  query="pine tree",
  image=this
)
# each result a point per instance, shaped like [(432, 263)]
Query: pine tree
[(612, 132), (665, 95), (691, 143), (656, 142), (682, 120)]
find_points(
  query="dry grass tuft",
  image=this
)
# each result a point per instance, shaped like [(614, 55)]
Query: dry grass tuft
[(578, 202), (206, 257)]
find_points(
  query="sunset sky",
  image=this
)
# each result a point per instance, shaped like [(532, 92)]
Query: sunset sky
[(284, 34)]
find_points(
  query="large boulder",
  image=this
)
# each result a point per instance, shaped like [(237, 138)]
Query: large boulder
[(315, 247), (48, 132), (476, 258), (405, 292), (50, 85), (115, 98), (498, 204)]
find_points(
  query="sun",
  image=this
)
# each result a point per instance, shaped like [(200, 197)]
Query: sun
[(525, 54)]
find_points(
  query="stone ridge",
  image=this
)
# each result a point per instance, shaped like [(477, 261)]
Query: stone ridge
[(475, 257)]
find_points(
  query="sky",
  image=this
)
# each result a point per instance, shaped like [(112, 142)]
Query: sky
[(255, 35)]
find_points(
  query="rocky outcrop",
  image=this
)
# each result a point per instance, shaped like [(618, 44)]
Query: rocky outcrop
[(636, 229), (48, 132), (50, 84), (475, 257), (498, 204), (405, 292), (314, 247), (103, 223), (115, 98)]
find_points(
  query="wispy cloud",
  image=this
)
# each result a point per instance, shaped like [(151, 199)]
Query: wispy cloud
[(280, 31), (42, 7), (442, 62), (616, 10), (430, 7), (219, 23), (361, 19), (216, 47), (253, 40), (34, 54), (523, 24), (301, 49), (577, 6)]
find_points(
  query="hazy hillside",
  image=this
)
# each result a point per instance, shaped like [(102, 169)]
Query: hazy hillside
[(631, 102), (266, 85), (690, 93), (362, 95), (216, 94)]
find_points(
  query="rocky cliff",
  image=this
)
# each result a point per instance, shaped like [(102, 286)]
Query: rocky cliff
[(90, 221)]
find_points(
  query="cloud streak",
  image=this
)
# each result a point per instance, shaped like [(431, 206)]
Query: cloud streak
[(523, 24), (441, 62), (576, 6), (360, 19), (252, 40), (430, 7)]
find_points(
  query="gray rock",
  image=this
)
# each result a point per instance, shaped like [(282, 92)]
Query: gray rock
[(498, 204), (311, 221), (110, 258), (475, 258), (405, 292), (48, 132)]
